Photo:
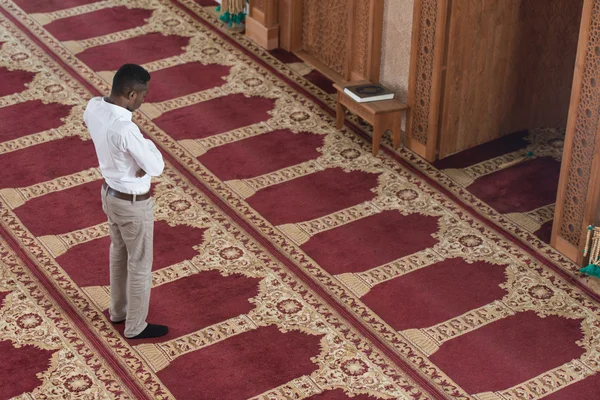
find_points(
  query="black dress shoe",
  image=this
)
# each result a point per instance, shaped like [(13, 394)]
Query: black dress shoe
[(152, 331)]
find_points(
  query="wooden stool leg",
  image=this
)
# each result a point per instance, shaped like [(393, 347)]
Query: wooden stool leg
[(340, 114), (377, 134), (396, 129)]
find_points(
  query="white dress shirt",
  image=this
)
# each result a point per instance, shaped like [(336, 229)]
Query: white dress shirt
[(121, 148)]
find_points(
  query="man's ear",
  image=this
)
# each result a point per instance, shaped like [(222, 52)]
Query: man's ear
[(131, 95)]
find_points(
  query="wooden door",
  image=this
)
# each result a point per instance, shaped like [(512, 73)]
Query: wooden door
[(508, 67)]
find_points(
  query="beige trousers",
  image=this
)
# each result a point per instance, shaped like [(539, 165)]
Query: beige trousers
[(131, 233)]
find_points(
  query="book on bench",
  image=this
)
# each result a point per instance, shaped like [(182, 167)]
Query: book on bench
[(368, 92)]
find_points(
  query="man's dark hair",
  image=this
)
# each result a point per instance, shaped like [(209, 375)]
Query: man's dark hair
[(130, 78)]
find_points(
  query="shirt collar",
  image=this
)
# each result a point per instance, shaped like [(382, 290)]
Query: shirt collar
[(120, 111)]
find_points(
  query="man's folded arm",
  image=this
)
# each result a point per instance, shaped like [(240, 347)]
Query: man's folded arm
[(145, 153)]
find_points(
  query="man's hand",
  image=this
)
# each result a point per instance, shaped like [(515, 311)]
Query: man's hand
[(140, 173)]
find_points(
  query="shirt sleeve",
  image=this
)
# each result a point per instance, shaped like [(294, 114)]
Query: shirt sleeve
[(144, 152), (85, 117)]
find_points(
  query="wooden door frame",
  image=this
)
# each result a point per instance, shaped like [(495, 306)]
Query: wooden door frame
[(290, 20), (425, 76), (262, 23), (578, 196)]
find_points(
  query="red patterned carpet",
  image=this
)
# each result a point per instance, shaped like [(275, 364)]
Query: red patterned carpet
[(517, 175), (289, 262)]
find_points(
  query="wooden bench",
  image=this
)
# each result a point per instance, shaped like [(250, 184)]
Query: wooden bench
[(383, 115)]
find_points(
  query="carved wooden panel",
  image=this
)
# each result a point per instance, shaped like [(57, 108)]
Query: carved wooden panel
[(260, 4), (584, 142), (324, 33), (423, 70)]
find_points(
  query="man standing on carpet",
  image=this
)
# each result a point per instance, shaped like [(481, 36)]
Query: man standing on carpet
[(127, 161)]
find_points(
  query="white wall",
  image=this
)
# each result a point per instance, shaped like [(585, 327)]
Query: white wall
[(395, 55)]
